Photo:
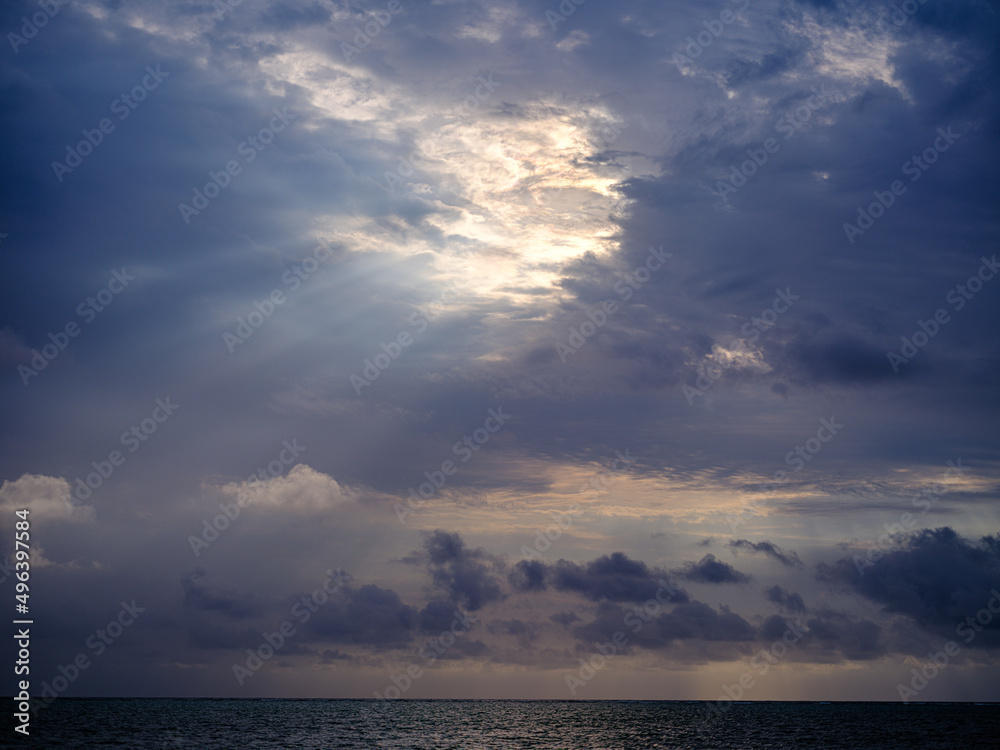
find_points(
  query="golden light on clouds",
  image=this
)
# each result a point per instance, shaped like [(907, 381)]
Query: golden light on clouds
[(522, 192), (514, 193)]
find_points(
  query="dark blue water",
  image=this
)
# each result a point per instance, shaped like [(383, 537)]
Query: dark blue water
[(139, 724)]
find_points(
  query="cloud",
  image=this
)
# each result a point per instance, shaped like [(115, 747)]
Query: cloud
[(774, 628), (47, 498), (533, 169), (468, 576), (565, 618), (437, 616), (528, 575), (39, 560), (367, 615), (790, 558), (829, 357), (829, 637), (687, 621), (199, 596), (852, 637), (285, 18), (710, 570), (787, 600), (935, 576), (612, 577), (698, 620), (572, 40), (301, 489), (330, 656)]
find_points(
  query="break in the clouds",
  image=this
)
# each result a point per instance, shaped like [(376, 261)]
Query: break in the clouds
[(470, 335)]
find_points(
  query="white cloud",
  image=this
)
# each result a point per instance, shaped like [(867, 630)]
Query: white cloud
[(573, 39), (39, 560), (855, 55), (303, 488), (46, 498)]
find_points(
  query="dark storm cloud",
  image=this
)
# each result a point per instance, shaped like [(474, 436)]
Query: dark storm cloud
[(789, 558), (853, 638), (528, 575), (787, 600), (828, 637), (369, 615), (437, 616), (835, 359), (935, 576), (853, 350), (470, 577), (614, 578), (698, 620), (687, 621), (710, 570), (773, 628), (610, 618), (199, 595)]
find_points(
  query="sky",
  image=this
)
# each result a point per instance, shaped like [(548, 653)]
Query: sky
[(587, 350)]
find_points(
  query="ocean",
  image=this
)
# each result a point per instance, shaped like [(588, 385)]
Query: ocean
[(144, 724)]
